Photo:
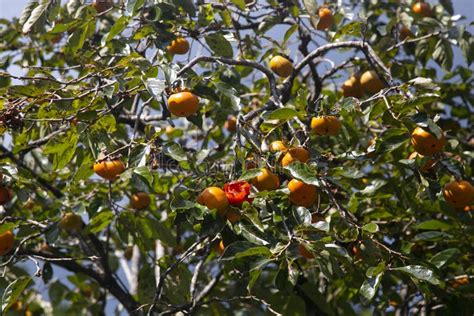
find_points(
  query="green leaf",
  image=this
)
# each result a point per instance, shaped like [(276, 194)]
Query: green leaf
[(433, 225), (13, 291), (443, 54), (303, 172), (282, 114), (373, 187), (155, 87), (292, 29), (255, 251), (176, 152), (371, 228), (118, 27), (38, 14), (445, 256), (219, 45), (250, 174), (188, 6), (432, 236), (350, 29), (100, 221), (420, 273), (132, 6), (231, 93), (369, 288)]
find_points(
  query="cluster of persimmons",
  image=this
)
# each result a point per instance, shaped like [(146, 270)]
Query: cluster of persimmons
[(227, 200)]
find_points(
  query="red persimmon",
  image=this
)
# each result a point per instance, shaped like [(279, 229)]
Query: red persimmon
[(237, 192)]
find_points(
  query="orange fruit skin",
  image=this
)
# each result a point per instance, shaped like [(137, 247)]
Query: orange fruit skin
[(305, 253), (352, 87), (277, 145), (102, 6), (233, 216), (405, 32), (231, 124), (179, 46), (214, 198), (422, 9), (326, 20), (140, 200), (458, 193), (7, 239), (302, 194), (17, 306), (427, 166), (219, 247), (281, 66), (183, 104), (370, 82), (71, 222), (295, 154), (109, 169), (128, 253), (326, 125), (266, 181), (316, 218), (426, 144), (5, 195)]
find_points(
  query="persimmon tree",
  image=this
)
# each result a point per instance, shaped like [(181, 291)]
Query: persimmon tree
[(216, 157)]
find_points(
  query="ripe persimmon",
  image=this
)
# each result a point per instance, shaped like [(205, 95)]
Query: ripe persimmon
[(5, 195), (237, 192), (326, 19), (370, 82), (128, 253), (302, 194), (425, 143), (183, 104), (352, 88), (233, 216), (277, 145), (281, 66), (219, 247), (459, 193), (326, 125), (140, 200), (102, 5), (179, 46), (266, 181), (295, 154), (427, 166), (214, 198), (109, 169), (422, 9), (305, 253), (71, 222), (231, 124), (7, 239), (405, 32)]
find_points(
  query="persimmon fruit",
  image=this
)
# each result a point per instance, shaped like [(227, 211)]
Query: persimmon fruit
[(214, 198), (302, 194), (179, 46), (281, 66), (425, 143), (7, 239), (183, 104), (327, 125), (109, 169), (140, 200), (295, 154), (458, 193), (266, 181)]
